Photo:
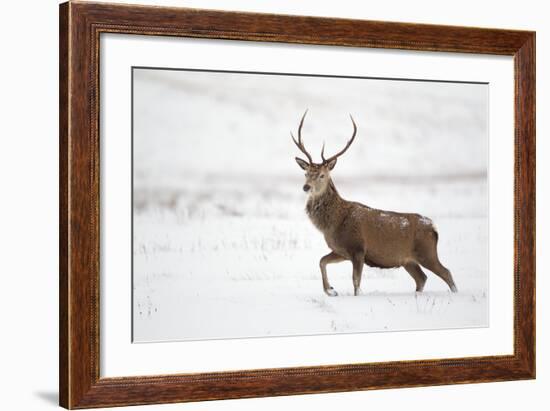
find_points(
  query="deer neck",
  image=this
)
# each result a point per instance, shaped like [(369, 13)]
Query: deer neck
[(324, 209)]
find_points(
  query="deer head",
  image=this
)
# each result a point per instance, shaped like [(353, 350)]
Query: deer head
[(318, 174)]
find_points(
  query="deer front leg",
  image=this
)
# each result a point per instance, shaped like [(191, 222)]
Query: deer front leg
[(329, 259), (357, 261)]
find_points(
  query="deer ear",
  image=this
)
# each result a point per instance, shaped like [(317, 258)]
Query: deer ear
[(302, 163), (331, 163)]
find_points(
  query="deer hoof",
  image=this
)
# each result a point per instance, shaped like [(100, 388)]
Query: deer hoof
[(331, 292)]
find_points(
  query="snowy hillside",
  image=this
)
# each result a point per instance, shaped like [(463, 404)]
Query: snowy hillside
[(222, 245)]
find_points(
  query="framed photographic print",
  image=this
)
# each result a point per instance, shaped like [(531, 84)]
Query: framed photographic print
[(257, 205)]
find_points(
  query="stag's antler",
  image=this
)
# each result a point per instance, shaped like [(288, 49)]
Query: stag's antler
[(326, 160), (299, 143)]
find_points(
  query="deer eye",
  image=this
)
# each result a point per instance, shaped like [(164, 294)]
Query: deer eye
[(322, 176)]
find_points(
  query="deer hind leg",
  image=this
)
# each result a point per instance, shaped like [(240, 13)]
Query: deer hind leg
[(357, 261), (433, 264), (417, 274), (329, 259), (427, 257)]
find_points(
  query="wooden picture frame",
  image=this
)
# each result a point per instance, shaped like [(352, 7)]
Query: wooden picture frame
[(80, 27)]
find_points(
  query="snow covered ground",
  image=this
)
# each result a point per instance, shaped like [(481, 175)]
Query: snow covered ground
[(222, 245)]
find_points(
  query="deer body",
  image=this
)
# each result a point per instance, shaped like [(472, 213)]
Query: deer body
[(364, 235)]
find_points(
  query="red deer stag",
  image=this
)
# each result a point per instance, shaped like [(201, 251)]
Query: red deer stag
[(364, 235)]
